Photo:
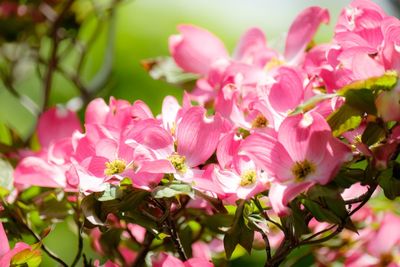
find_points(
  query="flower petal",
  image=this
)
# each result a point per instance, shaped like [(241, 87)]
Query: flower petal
[(4, 247), (196, 49), (302, 31), (66, 121), (198, 136)]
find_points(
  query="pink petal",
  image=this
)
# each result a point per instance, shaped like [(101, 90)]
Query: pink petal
[(269, 154), (141, 111), (227, 149), (201, 250), (196, 49), (96, 111), (227, 180), (166, 260), (107, 148), (364, 67), (280, 195), (156, 166), (149, 134), (96, 165), (4, 247), (36, 171), (303, 30), (196, 262), (303, 135), (387, 237), (198, 136), (80, 177), (250, 44), (170, 108), (287, 92), (55, 124), (387, 104)]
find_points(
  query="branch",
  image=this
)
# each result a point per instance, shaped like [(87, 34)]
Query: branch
[(287, 246), (359, 198), (171, 228), (53, 61), (79, 225)]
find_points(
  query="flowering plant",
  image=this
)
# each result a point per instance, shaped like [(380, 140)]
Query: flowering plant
[(268, 150)]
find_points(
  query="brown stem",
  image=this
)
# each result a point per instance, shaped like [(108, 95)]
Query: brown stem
[(171, 228)]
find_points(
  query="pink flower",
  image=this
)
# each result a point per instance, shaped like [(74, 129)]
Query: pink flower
[(237, 175), (166, 260), (301, 154)]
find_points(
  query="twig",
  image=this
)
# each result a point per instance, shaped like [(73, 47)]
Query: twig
[(52, 64), (357, 199), (287, 245), (319, 233), (79, 225), (171, 228), (102, 76)]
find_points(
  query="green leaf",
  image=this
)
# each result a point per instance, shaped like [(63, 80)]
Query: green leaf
[(132, 199), (363, 100), (321, 214), (5, 135), (373, 134), (328, 205), (52, 208), (344, 119), (298, 218), (172, 190), (112, 192), (311, 103), (347, 177), (216, 221), (91, 210), (165, 68), (389, 182), (185, 235), (385, 82), (239, 233), (27, 257)]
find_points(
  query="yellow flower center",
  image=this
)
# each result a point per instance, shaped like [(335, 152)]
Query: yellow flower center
[(259, 122), (114, 167), (273, 63), (179, 162), (385, 259), (302, 169), (249, 177)]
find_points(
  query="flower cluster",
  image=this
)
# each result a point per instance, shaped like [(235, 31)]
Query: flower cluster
[(270, 134)]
